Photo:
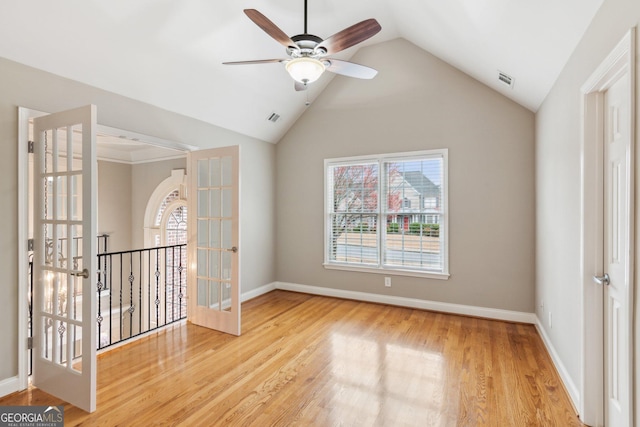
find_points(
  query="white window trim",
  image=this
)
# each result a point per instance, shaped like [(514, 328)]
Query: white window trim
[(396, 271), (168, 210), (177, 181)]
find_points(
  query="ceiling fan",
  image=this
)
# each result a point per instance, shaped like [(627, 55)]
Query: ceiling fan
[(308, 53)]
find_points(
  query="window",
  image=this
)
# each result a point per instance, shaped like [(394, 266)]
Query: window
[(388, 214)]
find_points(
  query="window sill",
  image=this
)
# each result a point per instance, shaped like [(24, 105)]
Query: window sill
[(388, 271)]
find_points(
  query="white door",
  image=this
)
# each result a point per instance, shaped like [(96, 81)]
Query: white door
[(213, 206), (617, 247), (64, 355)]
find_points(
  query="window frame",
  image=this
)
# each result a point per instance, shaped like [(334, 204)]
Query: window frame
[(381, 233)]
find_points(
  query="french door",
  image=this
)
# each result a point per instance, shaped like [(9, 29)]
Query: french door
[(64, 354), (213, 206)]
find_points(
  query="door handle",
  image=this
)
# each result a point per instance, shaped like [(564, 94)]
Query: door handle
[(602, 280), (84, 273), (233, 249)]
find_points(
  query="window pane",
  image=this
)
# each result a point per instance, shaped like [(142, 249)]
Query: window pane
[(215, 172), (215, 203), (413, 245), (414, 197), (203, 173), (414, 186), (388, 211), (354, 188), (354, 239), (227, 171)]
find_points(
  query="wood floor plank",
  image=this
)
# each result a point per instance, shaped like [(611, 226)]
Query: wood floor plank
[(309, 360)]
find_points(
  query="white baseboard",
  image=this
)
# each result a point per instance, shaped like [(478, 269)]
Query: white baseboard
[(569, 385), (466, 310), (9, 385), (246, 296)]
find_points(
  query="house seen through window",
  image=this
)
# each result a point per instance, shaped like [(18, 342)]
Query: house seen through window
[(388, 212)]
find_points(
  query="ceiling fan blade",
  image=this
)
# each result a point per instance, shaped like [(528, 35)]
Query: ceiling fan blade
[(270, 28), (350, 36), (350, 69), (256, 61)]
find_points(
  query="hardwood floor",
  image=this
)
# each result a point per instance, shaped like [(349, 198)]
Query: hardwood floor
[(315, 361)]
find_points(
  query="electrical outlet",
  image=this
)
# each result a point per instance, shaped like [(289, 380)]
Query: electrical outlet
[(387, 282), (550, 323)]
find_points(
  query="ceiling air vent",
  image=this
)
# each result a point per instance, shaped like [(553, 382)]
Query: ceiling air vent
[(273, 117), (506, 79)]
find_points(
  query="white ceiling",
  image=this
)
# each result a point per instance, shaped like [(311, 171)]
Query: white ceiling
[(169, 53), (121, 149)]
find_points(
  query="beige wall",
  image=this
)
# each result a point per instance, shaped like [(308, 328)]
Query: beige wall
[(558, 127), (418, 102), (31, 88), (114, 204), (123, 194), (145, 177)]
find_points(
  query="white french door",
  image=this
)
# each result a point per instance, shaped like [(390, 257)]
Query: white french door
[(213, 206), (64, 354), (617, 223)]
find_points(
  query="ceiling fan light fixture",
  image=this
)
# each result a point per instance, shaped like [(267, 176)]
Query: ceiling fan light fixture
[(305, 70)]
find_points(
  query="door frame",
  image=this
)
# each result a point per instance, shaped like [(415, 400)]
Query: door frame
[(619, 62), (24, 115)]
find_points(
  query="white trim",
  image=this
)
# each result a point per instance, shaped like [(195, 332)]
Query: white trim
[(380, 159), (177, 181), (254, 293), (24, 114), (148, 139), (105, 158), (621, 60), (23, 236), (569, 385), (164, 219), (444, 307), (386, 270), (10, 385)]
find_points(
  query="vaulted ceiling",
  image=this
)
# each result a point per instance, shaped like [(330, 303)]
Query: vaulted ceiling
[(169, 53)]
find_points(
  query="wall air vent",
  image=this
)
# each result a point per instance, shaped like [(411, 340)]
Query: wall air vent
[(273, 117), (506, 79)]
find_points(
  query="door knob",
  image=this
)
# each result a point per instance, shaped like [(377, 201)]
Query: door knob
[(602, 280), (84, 273)]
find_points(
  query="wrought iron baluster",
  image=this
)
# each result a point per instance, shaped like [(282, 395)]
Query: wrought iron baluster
[(100, 286), (165, 285), (180, 295), (172, 258), (131, 306), (173, 284), (110, 281), (157, 301), (140, 327), (120, 314), (149, 289)]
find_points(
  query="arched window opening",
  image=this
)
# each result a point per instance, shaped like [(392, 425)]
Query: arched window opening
[(166, 227), (176, 227), (174, 195)]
